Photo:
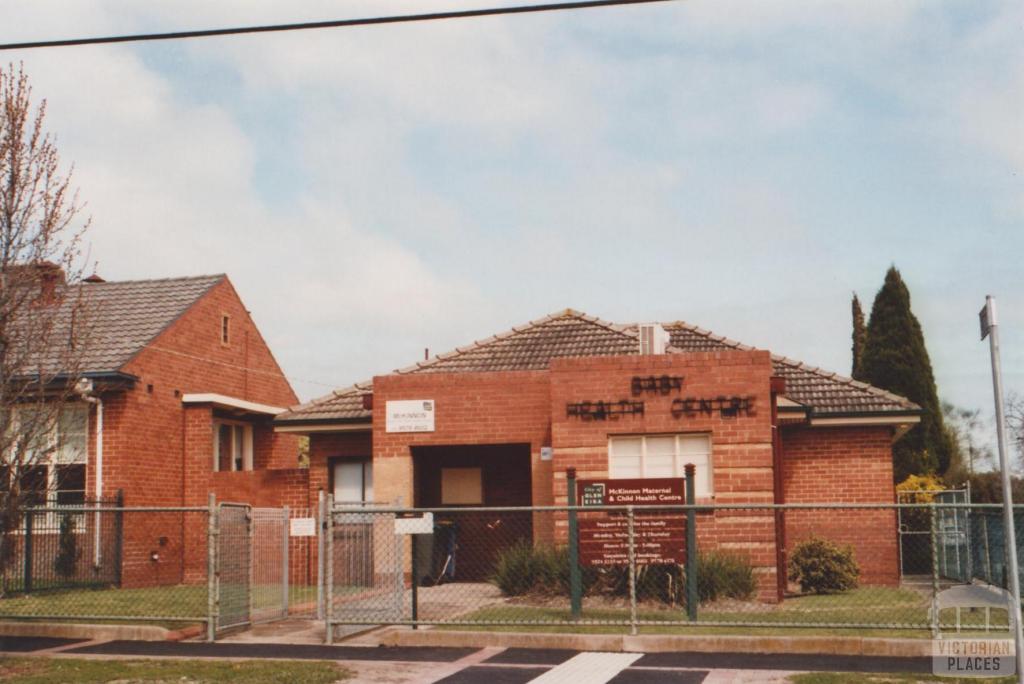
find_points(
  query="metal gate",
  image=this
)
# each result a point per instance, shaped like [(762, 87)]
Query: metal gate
[(364, 575), (234, 566), (270, 591)]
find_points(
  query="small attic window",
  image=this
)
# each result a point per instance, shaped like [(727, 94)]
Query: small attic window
[(225, 329)]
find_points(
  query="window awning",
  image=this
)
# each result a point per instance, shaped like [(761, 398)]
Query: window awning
[(232, 404)]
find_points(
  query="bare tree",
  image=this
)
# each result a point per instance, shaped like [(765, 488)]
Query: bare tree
[(967, 432), (43, 315), (1015, 422)]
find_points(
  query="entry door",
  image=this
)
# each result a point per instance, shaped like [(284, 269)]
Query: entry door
[(353, 482)]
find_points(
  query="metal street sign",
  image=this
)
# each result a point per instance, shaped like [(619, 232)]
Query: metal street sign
[(987, 316)]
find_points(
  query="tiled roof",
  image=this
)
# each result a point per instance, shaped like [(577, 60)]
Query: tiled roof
[(573, 334), (345, 405), (120, 318), (822, 391)]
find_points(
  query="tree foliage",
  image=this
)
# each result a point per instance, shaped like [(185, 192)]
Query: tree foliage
[(859, 336), (895, 359)]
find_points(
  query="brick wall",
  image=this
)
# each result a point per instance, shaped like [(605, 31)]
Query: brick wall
[(844, 465), (740, 446), (159, 452)]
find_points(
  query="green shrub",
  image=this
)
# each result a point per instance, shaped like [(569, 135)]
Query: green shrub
[(823, 567), (515, 569), (67, 553), (724, 575), (525, 569)]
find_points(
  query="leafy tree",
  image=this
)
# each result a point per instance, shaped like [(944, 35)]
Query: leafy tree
[(859, 336), (895, 359)]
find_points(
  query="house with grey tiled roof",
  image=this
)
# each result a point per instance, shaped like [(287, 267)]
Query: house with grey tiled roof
[(500, 422), (176, 392)]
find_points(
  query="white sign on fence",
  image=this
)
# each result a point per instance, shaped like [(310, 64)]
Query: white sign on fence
[(415, 415), (302, 527), (419, 525)]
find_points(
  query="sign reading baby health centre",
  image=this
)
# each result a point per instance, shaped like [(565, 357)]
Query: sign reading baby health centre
[(412, 415)]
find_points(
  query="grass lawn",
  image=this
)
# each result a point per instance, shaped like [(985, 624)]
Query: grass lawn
[(185, 601), (859, 678), (87, 671), (877, 605)]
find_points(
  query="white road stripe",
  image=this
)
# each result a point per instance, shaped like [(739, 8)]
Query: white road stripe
[(592, 668)]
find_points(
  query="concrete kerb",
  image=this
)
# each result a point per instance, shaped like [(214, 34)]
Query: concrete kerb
[(90, 631), (654, 643)]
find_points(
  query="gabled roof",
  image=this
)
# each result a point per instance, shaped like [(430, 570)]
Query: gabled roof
[(571, 333), (123, 317)]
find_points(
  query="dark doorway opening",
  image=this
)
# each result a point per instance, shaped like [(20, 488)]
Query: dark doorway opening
[(473, 476)]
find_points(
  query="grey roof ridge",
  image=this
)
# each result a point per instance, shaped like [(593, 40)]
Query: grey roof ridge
[(156, 280), (216, 280), (800, 365), (514, 330)]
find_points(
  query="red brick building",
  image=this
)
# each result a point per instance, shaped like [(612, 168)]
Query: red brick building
[(498, 422), (178, 399)]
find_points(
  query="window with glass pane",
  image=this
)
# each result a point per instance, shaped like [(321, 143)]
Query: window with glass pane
[(232, 446), (662, 456), (70, 484), (238, 446), (73, 435), (353, 482)]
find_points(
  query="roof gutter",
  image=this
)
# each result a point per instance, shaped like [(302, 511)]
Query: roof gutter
[(310, 426)]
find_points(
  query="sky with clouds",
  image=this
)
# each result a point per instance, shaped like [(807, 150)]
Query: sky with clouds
[(743, 165)]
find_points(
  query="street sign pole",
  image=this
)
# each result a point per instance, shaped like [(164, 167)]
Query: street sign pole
[(990, 329)]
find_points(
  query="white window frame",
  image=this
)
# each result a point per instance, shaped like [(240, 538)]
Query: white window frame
[(247, 444), (366, 484), (53, 460), (678, 458)]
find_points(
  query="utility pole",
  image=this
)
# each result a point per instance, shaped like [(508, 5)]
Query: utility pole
[(990, 329)]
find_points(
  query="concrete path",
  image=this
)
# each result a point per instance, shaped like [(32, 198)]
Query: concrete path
[(446, 665)]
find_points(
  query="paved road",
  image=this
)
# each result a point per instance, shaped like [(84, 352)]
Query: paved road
[(423, 665)]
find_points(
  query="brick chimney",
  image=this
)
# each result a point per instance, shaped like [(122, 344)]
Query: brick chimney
[(45, 277)]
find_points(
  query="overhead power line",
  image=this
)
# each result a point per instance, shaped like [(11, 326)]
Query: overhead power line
[(337, 23)]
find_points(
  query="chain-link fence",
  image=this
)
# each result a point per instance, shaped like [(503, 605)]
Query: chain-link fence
[(642, 568), (107, 563), (817, 567)]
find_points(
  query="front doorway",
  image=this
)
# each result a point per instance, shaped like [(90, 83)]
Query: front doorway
[(466, 545)]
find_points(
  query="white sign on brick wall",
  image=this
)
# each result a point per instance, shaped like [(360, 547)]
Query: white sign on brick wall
[(302, 527), (413, 415)]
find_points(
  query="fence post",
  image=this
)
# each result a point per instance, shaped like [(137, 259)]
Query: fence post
[(935, 571), (119, 537), (329, 569), (211, 568), (575, 581), (285, 569), (632, 569), (250, 532), (988, 554), (320, 502), (692, 597), (27, 579), (416, 582)]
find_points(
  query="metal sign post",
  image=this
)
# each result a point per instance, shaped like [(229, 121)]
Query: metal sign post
[(990, 329)]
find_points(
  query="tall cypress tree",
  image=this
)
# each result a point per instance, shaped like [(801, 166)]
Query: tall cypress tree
[(859, 335), (895, 358)]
